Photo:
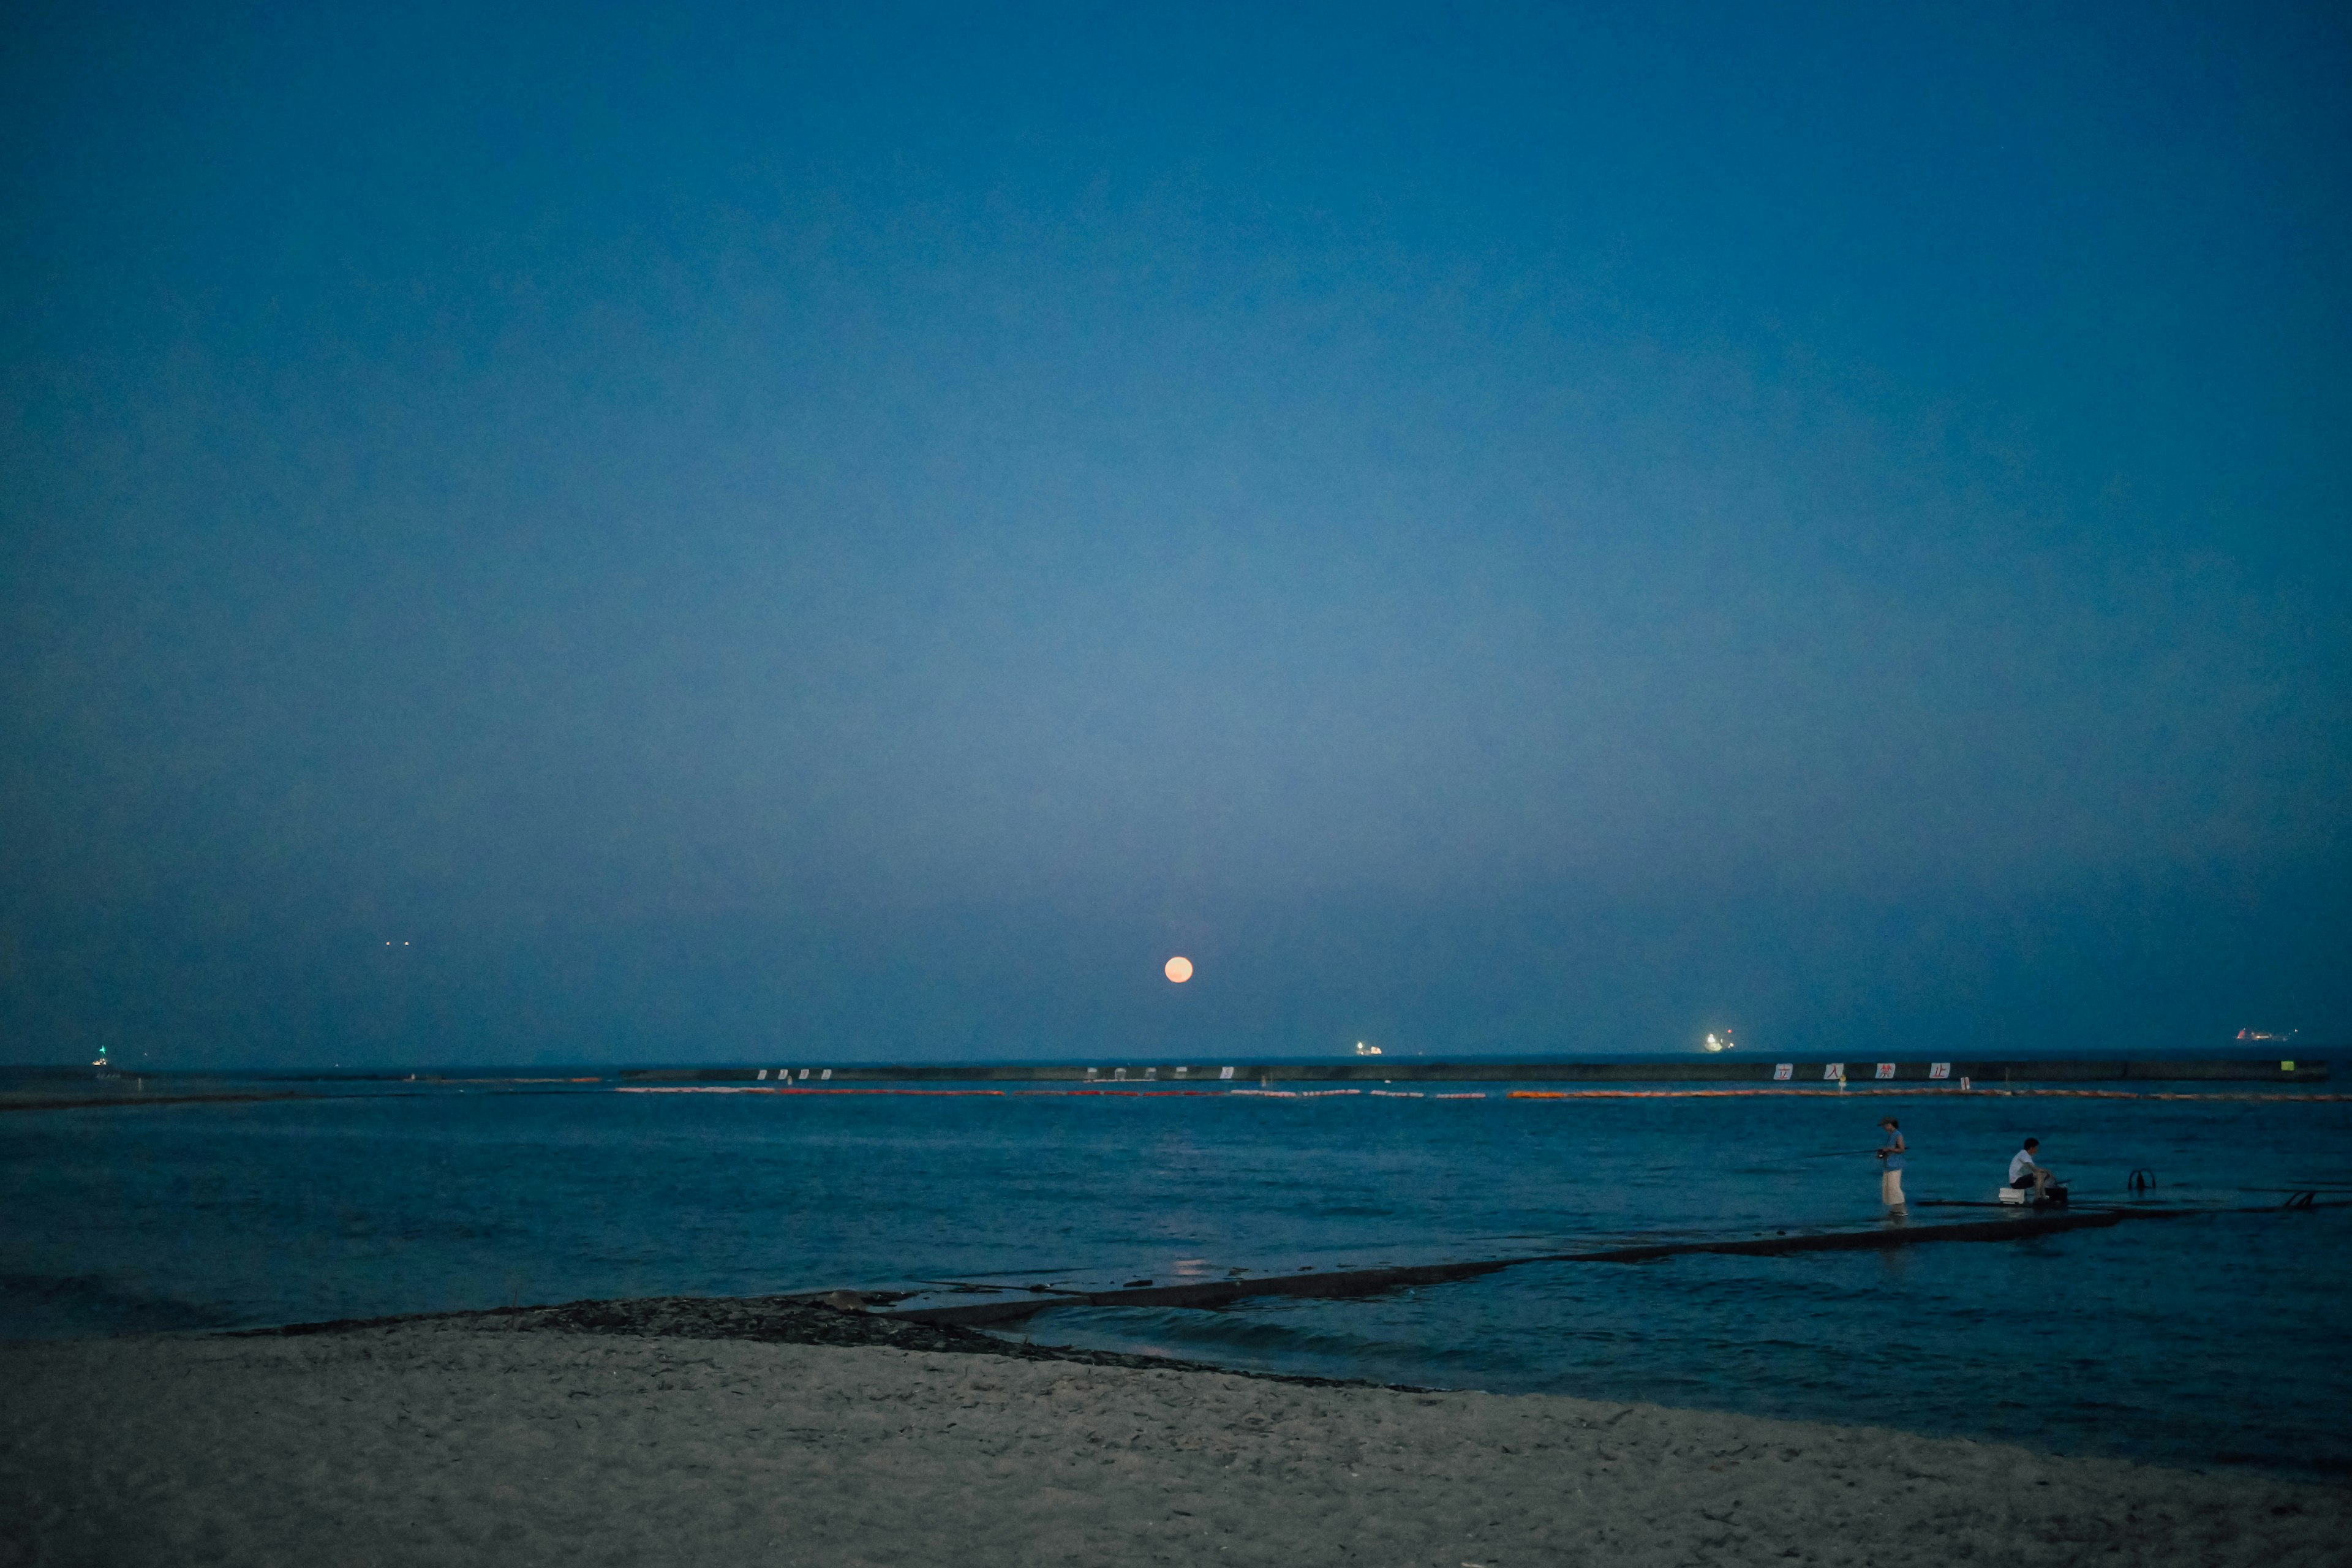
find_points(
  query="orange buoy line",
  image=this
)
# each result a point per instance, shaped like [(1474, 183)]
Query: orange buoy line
[(1906, 1093)]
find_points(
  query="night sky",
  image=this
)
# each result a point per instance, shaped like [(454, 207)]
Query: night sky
[(791, 533)]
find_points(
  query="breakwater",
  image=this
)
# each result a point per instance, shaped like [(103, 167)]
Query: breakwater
[(1819, 1072)]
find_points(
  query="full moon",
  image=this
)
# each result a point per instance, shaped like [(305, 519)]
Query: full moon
[(1180, 969)]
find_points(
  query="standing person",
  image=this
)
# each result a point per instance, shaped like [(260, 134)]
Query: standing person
[(1890, 1154)]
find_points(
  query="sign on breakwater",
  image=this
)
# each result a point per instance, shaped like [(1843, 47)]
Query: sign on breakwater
[(1815, 1073)]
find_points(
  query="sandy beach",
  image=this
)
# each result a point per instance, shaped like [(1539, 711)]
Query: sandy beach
[(469, 1439)]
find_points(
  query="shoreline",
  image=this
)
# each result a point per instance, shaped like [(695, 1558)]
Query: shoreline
[(778, 1430)]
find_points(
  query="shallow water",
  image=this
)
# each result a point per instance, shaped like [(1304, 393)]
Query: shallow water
[(2220, 1338)]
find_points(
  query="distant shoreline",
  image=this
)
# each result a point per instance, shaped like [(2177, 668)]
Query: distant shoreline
[(1797, 1079), (1817, 1071)]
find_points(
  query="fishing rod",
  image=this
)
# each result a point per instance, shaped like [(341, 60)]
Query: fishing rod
[(1842, 1154)]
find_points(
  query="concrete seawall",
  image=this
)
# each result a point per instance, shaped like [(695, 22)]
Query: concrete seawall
[(1674, 1070)]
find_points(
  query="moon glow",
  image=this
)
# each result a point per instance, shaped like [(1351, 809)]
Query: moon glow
[(1180, 969)]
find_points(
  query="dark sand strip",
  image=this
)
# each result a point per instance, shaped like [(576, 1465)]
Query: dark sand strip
[(793, 1320)]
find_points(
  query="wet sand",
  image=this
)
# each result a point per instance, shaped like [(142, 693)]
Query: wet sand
[(504, 1439)]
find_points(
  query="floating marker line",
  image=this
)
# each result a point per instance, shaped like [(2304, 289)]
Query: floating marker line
[(1898, 1093)]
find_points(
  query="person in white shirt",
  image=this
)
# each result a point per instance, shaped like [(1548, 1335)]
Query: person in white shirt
[(2024, 1171), (1890, 1154)]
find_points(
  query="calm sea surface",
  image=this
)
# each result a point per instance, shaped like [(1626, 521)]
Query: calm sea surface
[(2220, 1338)]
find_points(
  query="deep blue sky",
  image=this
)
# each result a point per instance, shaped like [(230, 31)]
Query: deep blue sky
[(779, 534)]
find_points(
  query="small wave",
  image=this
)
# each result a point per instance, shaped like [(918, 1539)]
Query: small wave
[(1320, 1343), (72, 1306)]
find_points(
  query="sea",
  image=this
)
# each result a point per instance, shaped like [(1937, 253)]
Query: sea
[(2220, 1338)]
